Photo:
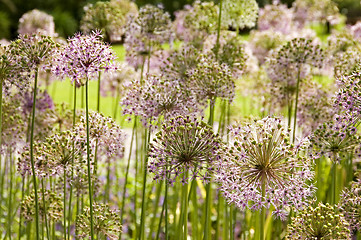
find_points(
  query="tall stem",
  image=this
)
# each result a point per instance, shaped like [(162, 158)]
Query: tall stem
[(98, 99), (126, 174), (45, 211), (219, 28), (142, 217), (64, 200), (88, 160), (32, 157), (262, 216), (296, 104)]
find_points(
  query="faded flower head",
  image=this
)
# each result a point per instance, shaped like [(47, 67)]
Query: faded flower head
[(106, 222), (292, 61), (53, 206), (355, 31), (320, 222), (315, 107), (83, 58), (350, 204), (43, 101), (239, 14), (104, 132), (335, 139), (183, 145), (211, 79), (276, 17), (231, 51), (310, 11), (262, 42), (263, 168), (109, 17), (54, 155), (157, 99), (346, 63), (37, 22)]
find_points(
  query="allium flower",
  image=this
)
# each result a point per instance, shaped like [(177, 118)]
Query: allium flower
[(106, 222), (53, 156), (146, 32), (291, 62), (183, 145), (239, 14), (35, 51), (83, 58), (230, 51), (110, 17), (350, 204), (355, 31), (262, 168), (43, 101), (210, 80), (157, 99), (276, 17), (114, 83), (348, 97), (37, 22), (315, 107), (194, 23), (104, 132), (262, 42), (320, 222), (346, 63), (53, 206), (309, 11), (335, 139)]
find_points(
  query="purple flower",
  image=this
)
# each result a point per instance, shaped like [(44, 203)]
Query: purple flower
[(262, 159), (182, 145), (83, 58), (276, 17), (350, 204)]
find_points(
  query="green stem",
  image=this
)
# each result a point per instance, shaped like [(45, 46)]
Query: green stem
[(22, 197), (195, 217), (116, 104), (32, 157), (207, 225), (219, 29), (98, 99), (45, 211), (88, 160), (72, 171), (262, 216), (64, 200), (126, 174), (155, 209), (10, 195), (211, 112), (161, 216), (333, 181), (296, 105), (142, 216)]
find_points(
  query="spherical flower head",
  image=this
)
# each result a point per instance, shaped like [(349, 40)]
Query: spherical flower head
[(37, 22), (43, 101), (315, 107), (113, 83), (157, 99), (335, 139), (292, 61), (350, 205), (202, 17), (231, 51), (346, 63), (83, 58), (348, 96), (262, 42), (110, 17), (276, 17), (54, 155), (310, 11), (320, 222), (104, 132), (239, 14), (183, 145), (263, 168), (210, 80), (53, 206), (105, 220), (34, 51), (355, 31)]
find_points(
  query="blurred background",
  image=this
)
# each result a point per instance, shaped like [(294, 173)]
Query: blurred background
[(67, 13)]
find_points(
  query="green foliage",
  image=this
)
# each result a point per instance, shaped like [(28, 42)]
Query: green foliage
[(4, 25)]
